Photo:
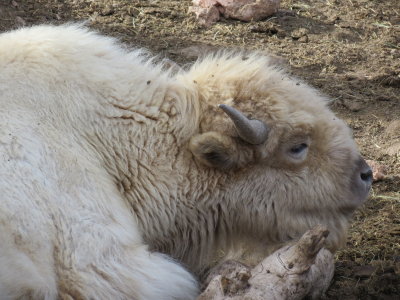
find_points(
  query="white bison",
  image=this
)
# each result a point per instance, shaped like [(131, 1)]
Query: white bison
[(109, 163)]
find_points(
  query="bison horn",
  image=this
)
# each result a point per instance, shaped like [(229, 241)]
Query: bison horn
[(252, 131)]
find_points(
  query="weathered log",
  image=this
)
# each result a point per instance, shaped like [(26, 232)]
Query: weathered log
[(292, 272)]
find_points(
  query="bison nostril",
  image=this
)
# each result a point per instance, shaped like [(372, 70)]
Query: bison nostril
[(366, 176)]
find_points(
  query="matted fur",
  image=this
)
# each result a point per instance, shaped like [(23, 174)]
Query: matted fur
[(108, 160)]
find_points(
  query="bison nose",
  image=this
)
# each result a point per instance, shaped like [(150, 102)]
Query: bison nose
[(365, 172), (362, 181), (366, 175)]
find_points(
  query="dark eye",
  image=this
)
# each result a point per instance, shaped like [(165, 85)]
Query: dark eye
[(298, 149)]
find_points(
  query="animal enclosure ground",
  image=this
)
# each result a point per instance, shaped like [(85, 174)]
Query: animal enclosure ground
[(350, 49)]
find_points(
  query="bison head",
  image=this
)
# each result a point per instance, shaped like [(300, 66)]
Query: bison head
[(283, 161)]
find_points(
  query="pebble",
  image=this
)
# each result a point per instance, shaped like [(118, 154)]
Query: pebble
[(208, 11), (378, 170)]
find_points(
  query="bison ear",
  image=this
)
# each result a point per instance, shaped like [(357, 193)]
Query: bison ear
[(214, 150)]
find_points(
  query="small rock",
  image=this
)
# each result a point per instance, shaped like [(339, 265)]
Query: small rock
[(206, 16), (378, 170), (248, 10), (364, 271), (245, 10)]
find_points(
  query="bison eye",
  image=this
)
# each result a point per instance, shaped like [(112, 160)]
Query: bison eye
[(298, 148), (298, 151)]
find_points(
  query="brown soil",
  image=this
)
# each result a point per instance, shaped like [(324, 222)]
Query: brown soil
[(350, 49)]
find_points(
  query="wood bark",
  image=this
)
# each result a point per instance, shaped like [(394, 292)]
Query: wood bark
[(295, 271)]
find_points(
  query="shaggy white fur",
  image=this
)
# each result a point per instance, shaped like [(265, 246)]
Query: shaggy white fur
[(104, 154)]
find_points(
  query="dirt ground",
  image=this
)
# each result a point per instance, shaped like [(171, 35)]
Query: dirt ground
[(350, 49)]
